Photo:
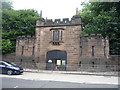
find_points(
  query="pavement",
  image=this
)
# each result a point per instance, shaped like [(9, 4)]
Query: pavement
[(63, 77), (74, 72)]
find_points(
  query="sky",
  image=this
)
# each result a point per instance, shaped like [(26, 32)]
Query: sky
[(51, 9)]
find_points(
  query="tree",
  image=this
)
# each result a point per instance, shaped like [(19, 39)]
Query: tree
[(6, 4), (16, 23), (7, 46), (103, 18)]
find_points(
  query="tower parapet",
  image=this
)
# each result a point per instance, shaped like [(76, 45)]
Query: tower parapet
[(75, 20)]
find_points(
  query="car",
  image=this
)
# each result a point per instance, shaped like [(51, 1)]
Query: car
[(9, 68)]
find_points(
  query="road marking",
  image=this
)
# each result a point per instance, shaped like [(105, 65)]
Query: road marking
[(15, 86)]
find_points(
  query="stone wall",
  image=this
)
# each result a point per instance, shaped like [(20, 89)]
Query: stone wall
[(71, 30), (114, 59), (78, 47), (100, 45), (94, 49), (25, 46), (9, 57)]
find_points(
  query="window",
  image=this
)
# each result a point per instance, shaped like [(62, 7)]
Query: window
[(60, 35), (104, 51), (22, 50), (33, 50), (2, 64), (80, 64), (80, 50), (92, 50), (93, 64), (56, 35)]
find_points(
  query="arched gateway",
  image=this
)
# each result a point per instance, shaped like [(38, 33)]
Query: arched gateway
[(56, 60)]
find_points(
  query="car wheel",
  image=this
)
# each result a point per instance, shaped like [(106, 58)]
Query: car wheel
[(9, 72)]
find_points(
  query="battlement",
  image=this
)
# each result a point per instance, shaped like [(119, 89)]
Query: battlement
[(25, 37), (65, 21), (95, 36)]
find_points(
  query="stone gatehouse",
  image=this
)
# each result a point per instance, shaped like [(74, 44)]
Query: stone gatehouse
[(61, 43)]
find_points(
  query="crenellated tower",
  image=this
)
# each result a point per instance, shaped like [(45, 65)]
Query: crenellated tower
[(60, 37)]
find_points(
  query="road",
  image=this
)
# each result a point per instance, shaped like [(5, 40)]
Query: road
[(57, 80), (23, 83)]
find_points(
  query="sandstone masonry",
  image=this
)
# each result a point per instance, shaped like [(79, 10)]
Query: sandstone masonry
[(61, 43)]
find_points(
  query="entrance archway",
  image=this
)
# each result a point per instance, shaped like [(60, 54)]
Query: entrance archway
[(56, 60)]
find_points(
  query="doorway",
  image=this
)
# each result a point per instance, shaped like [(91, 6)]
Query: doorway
[(56, 60)]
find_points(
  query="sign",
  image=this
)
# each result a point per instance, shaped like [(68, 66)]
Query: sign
[(58, 62)]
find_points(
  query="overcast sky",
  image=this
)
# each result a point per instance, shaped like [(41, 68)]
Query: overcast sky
[(52, 9)]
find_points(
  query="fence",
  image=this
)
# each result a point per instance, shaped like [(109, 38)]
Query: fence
[(73, 67)]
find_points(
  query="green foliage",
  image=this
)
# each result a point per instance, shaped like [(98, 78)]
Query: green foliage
[(6, 4), (103, 18), (16, 23), (7, 46)]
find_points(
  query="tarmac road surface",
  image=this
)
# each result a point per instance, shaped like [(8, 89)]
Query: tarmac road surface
[(23, 83), (57, 80)]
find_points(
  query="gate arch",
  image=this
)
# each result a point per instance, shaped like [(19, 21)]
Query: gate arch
[(56, 59)]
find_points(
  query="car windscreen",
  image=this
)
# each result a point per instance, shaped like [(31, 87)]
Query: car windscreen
[(9, 63)]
